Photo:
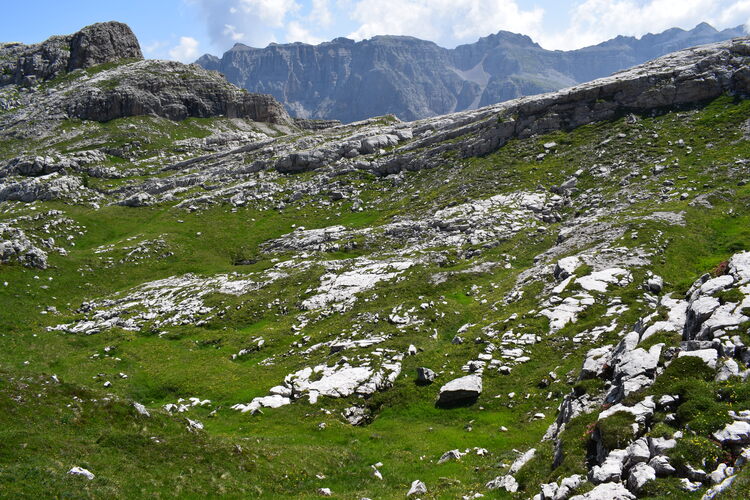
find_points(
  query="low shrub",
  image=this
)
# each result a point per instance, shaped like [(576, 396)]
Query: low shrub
[(616, 431), (696, 451)]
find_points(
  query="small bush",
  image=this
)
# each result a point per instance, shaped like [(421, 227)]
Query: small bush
[(661, 430), (242, 256), (681, 373), (702, 414), (616, 431), (576, 445), (721, 268), (731, 295), (664, 488), (589, 386), (583, 270), (696, 451), (735, 392), (667, 338)]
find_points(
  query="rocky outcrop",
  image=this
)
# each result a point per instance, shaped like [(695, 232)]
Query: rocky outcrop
[(334, 382), (307, 124), (95, 44), (171, 90), (103, 42), (688, 77), (44, 188), (411, 78), (425, 375), (709, 329), (15, 246), (685, 78), (160, 88)]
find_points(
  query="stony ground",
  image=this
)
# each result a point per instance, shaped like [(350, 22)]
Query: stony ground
[(224, 307)]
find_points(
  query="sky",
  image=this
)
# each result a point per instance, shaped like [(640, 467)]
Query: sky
[(186, 29)]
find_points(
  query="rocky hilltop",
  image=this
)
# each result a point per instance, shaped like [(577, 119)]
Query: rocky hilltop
[(98, 74), (543, 298), (413, 79), (96, 44)]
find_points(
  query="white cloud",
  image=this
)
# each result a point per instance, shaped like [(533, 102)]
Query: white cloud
[(272, 12), (593, 21), (297, 33), (232, 33), (154, 49), (253, 22), (452, 22), (734, 15), (447, 22), (320, 13), (186, 50)]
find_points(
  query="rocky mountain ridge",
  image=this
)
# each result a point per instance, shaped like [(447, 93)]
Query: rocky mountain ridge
[(414, 79)]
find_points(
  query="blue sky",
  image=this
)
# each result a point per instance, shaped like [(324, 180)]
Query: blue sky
[(185, 29)]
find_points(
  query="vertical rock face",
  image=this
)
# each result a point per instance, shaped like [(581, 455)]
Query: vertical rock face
[(95, 44), (162, 88), (347, 80), (102, 42), (412, 79)]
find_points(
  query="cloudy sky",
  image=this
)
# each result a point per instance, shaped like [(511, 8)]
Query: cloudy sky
[(186, 29)]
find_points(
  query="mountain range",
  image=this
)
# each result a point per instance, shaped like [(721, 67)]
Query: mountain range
[(412, 78)]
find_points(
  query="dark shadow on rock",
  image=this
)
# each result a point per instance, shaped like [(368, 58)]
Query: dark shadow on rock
[(457, 402)]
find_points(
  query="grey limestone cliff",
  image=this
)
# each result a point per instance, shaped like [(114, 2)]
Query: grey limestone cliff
[(412, 79)]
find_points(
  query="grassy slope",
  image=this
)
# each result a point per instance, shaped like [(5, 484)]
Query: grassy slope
[(283, 450)]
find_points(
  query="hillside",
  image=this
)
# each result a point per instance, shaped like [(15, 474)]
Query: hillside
[(547, 296), (412, 79)]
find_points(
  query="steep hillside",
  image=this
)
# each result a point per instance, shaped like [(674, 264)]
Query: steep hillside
[(547, 296), (412, 78)]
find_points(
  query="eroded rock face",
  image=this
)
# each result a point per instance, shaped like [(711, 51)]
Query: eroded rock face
[(169, 89), (162, 88), (95, 44), (102, 42)]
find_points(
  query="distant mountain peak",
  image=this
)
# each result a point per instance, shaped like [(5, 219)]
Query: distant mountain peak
[(704, 26), (412, 78)]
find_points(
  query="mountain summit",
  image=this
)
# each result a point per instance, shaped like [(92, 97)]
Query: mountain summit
[(92, 45), (412, 78)]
